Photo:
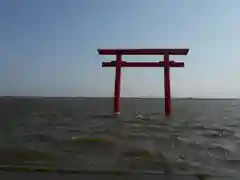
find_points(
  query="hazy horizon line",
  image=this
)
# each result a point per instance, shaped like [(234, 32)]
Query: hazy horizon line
[(133, 97)]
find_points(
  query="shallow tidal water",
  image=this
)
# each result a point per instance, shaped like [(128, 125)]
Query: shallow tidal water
[(202, 137)]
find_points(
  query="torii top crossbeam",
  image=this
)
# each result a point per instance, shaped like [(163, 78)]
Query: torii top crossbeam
[(143, 51), (166, 64)]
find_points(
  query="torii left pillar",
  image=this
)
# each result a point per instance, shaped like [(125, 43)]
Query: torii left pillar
[(166, 64)]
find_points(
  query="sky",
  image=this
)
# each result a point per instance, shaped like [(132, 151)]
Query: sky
[(49, 47)]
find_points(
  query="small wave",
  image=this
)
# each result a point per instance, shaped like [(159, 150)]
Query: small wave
[(197, 127), (211, 134), (84, 140), (219, 151), (16, 156), (38, 137), (103, 116)]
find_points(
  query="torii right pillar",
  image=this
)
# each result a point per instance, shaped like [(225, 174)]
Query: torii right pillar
[(167, 85), (119, 63)]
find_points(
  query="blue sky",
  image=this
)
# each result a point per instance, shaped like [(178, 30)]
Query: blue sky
[(48, 47)]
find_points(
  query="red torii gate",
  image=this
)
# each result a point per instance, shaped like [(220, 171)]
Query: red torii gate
[(166, 64)]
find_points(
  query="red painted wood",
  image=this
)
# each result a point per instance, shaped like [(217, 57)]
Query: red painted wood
[(118, 64), (117, 85), (167, 88), (142, 64), (143, 51)]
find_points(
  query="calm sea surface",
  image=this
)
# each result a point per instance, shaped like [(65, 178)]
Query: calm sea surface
[(201, 136)]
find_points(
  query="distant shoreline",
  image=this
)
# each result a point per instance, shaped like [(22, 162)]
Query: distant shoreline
[(85, 97)]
